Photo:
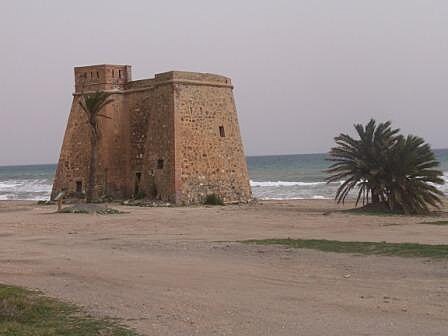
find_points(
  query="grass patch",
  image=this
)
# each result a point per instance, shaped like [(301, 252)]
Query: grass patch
[(109, 211), (26, 313), (376, 248), (371, 212), (442, 222), (73, 210), (90, 209)]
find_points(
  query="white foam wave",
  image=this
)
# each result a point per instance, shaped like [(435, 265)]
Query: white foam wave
[(26, 189), (320, 197), (444, 187), (280, 198), (296, 190), (284, 184), (316, 197), (8, 185)]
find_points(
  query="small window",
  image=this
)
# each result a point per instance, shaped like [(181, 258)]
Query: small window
[(91, 74), (97, 74), (138, 177), (160, 164), (79, 186), (119, 73), (222, 133), (113, 73)]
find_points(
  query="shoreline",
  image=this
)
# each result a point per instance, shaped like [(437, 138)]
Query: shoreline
[(350, 202)]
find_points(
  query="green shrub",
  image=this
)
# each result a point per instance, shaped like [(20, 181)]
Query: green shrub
[(74, 210), (108, 211), (213, 199), (140, 195), (42, 202)]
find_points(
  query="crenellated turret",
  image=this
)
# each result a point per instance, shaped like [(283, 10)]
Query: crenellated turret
[(102, 77)]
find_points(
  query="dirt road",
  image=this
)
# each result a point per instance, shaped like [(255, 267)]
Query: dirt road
[(176, 271)]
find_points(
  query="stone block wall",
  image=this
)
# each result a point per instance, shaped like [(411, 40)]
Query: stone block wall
[(113, 149), (102, 77), (152, 142), (209, 150)]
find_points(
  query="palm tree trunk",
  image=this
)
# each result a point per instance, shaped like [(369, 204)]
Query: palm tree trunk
[(391, 202), (375, 196), (92, 171)]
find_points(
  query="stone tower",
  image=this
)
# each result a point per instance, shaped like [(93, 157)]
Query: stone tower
[(174, 137)]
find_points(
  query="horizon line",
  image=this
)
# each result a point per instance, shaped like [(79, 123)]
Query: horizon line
[(256, 155)]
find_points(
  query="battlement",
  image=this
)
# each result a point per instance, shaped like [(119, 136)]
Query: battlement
[(193, 76), (102, 77), (119, 77), (180, 77)]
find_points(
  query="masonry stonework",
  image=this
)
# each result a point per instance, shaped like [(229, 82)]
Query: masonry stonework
[(174, 137)]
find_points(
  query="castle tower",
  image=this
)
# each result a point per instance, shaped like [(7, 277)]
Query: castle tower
[(174, 137)]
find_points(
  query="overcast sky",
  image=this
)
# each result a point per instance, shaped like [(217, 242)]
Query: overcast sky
[(303, 70)]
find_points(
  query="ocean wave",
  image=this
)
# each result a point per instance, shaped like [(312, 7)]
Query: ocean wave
[(5, 185), (280, 198), (296, 190), (40, 188), (26, 189), (284, 183), (292, 198), (320, 197), (35, 185)]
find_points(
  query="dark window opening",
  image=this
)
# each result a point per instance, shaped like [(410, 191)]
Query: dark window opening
[(119, 73), (138, 177), (91, 74), (79, 186), (160, 164), (105, 187), (97, 74), (113, 73), (222, 133)]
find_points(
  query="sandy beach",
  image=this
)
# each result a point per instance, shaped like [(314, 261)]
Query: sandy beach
[(181, 271)]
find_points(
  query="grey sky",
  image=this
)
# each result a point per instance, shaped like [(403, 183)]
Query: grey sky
[(303, 70)]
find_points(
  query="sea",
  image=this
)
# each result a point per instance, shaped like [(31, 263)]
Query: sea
[(272, 177)]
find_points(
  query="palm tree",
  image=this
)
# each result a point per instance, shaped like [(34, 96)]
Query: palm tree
[(413, 176), (399, 172), (92, 104), (359, 163)]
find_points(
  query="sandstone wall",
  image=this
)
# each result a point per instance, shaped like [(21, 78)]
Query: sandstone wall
[(152, 141), (209, 151), (113, 149), (74, 156)]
